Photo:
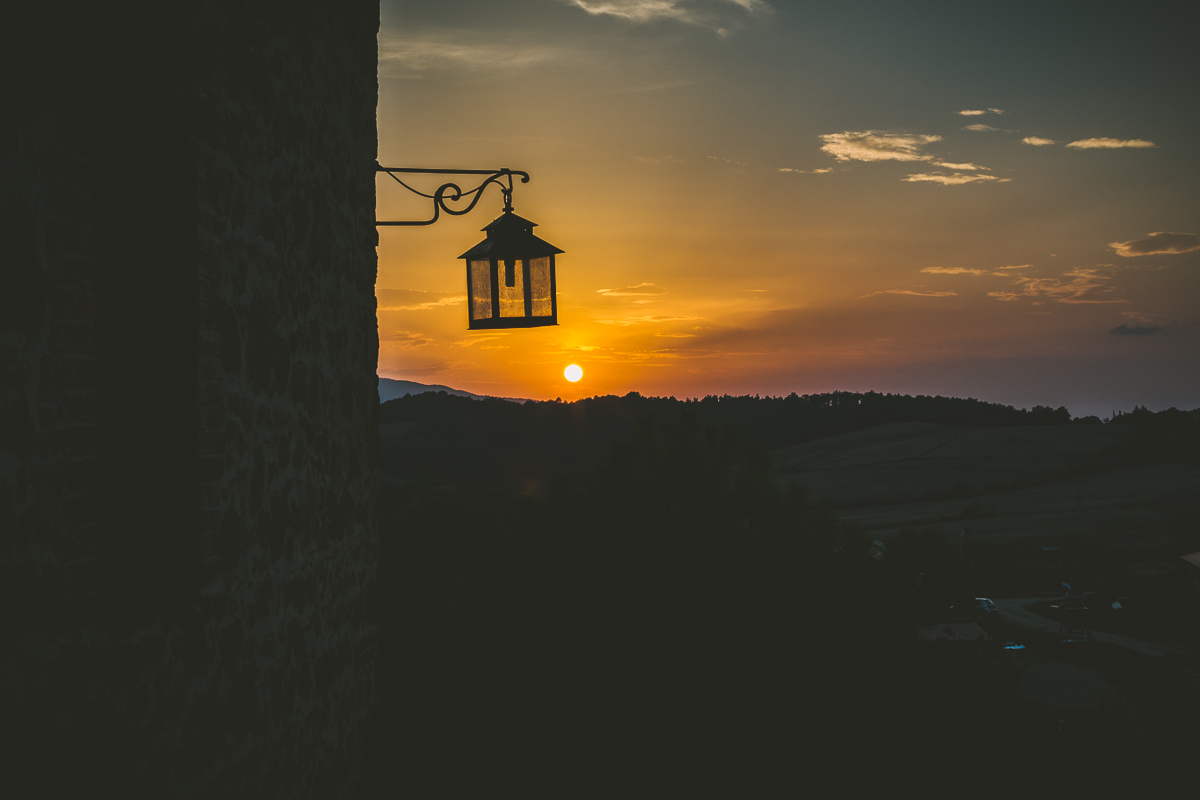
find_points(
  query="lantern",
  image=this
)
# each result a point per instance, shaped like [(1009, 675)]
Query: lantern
[(510, 277)]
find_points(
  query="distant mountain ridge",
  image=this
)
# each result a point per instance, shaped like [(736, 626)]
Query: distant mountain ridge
[(390, 389)]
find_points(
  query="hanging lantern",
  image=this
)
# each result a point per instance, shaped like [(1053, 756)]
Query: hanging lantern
[(510, 277), (510, 274)]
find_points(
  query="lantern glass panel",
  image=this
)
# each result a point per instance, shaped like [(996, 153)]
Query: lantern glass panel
[(512, 298), (539, 285), (481, 290)]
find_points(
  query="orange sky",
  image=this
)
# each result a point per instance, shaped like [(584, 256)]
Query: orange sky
[(758, 199)]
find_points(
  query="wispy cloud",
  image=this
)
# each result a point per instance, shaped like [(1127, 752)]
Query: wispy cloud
[(1136, 330), (413, 300), (949, 165), (1109, 144), (877, 146), (1157, 243), (401, 57), (718, 16), (641, 320), (956, 179), (979, 126), (954, 271), (807, 171), (1142, 324), (1085, 285), (1016, 266), (641, 290), (1143, 317), (436, 368), (404, 340), (482, 339), (910, 292), (975, 112), (1037, 141)]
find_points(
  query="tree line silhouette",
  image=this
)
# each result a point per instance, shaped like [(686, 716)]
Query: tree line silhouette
[(501, 440)]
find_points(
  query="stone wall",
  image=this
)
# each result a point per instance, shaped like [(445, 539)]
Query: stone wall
[(187, 408)]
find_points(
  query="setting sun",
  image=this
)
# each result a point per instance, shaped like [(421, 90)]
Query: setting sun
[(573, 373)]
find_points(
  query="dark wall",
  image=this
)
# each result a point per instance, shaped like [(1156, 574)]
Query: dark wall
[(187, 399)]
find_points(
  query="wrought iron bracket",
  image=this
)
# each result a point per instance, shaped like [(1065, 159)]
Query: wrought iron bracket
[(451, 192)]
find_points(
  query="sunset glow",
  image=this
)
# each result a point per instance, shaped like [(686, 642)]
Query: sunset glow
[(573, 373), (773, 198)]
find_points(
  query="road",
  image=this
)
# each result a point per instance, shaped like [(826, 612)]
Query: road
[(1015, 610)]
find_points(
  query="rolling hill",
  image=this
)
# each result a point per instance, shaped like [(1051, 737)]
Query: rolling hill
[(1037, 484)]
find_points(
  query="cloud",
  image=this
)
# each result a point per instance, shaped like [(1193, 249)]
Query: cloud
[(411, 371), (1135, 330), (954, 271), (910, 292), (714, 15), (1158, 243), (877, 146), (1086, 285), (641, 290), (481, 338), (948, 165), (1037, 141), (975, 112), (979, 126), (956, 179), (400, 57), (1109, 144), (637, 320), (405, 340), (807, 171), (1017, 266), (413, 300), (1148, 319)]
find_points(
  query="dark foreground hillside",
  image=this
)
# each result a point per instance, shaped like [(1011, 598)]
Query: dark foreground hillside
[(1030, 486), (618, 597)]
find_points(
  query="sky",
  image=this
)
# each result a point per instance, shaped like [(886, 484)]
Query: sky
[(999, 200)]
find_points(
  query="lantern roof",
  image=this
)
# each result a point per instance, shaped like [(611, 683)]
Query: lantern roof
[(510, 236)]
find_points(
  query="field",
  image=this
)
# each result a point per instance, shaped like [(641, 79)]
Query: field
[(1041, 486)]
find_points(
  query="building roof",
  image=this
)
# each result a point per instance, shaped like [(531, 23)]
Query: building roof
[(952, 632)]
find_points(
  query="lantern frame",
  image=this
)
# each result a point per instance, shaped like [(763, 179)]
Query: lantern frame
[(510, 242)]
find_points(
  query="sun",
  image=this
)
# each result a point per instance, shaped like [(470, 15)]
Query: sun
[(573, 373)]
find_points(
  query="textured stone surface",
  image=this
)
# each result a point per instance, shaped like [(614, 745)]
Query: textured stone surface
[(187, 408)]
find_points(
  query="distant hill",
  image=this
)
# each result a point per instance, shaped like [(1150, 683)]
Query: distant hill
[(390, 389), (883, 463)]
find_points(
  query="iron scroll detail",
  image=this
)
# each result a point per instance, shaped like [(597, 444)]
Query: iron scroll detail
[(451, 192)]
